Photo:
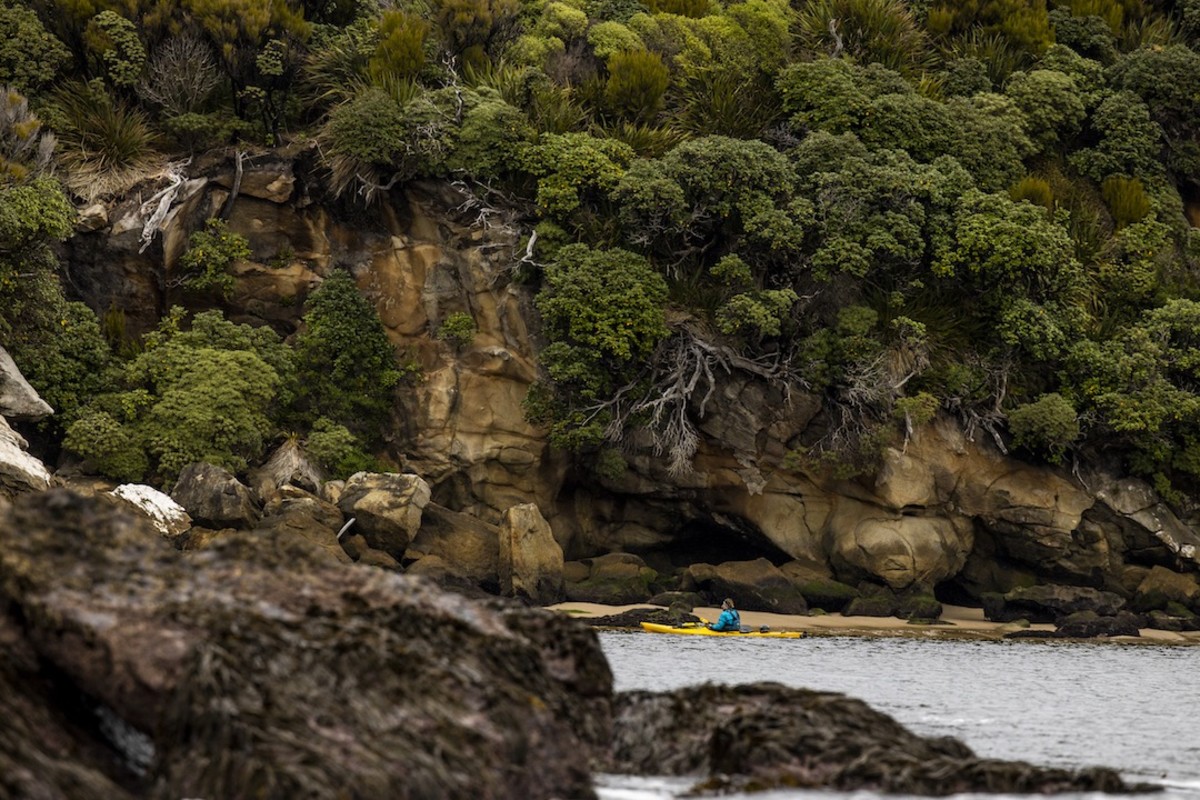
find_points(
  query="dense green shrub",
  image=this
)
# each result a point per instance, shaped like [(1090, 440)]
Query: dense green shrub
[(337, 451), (203, 394), (602, 312), (457, 328), (637, 82), (30, 56), (572, 168), (1128, 143), (1047, 426), (347, 369), (210, 255)]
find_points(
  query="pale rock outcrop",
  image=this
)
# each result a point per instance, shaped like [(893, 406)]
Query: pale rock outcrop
[(387, 508), (19, 471), (1134, 500), (531, 561), (214, 497), (167, 516), (19, 400), (899, 550), (289, 465)]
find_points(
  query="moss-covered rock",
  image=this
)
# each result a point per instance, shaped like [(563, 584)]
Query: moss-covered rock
[(258, 668)]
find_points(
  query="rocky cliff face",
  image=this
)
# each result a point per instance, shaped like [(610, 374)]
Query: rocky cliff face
[(945, 510)]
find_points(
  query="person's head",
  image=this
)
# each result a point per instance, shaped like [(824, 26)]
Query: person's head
[(727, 604)]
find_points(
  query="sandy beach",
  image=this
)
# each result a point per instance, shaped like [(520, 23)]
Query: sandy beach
[(957, 622)]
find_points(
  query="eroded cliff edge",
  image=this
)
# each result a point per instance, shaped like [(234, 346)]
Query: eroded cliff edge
[(947, 509)]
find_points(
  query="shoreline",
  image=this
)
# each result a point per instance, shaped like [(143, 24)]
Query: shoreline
[(957, 622)]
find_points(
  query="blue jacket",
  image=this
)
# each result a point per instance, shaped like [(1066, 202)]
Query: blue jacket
[(728, 621)]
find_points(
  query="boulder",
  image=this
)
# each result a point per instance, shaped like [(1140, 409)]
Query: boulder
[(873, 601), (329, 680), (467, 547), (899, 550), (214, 497), (613, 579), (295, 514), (1162, 586), (19, 400), (167, 516), (19, 471), (360, 552), (386, 507), (1090, 625), (817, 587), (531, 561), (764, 736), (756, 585), (1049, 603)]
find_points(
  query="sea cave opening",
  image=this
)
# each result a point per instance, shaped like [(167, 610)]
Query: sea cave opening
[(713, 541)]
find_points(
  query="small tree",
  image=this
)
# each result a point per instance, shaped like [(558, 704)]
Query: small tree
[(1047, 426), (637, 82), (347, 368), (209, 256)]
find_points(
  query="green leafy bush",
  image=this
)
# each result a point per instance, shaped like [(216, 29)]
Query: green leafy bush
[(1047, 426), (637, 83), (458, 329), (572, 168), (210, 255), (602, 312), (30, 56), (346, 367), (761, 313), (204, 394), (338, 451)]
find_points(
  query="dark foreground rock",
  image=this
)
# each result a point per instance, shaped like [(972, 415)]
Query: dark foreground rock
[(764, 736), (257, 669)]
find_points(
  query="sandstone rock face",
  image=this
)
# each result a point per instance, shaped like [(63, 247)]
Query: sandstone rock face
[(18, 400), (531, 561), (900, 550), (19, 471), (379, 684), (168, 517), (214, 497), (386, 507), (1162, 586)]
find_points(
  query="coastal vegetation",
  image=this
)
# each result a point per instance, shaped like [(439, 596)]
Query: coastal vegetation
[(980, 208)]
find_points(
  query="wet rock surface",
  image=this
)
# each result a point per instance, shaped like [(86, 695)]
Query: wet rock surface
[(763, 736), (255, 668)]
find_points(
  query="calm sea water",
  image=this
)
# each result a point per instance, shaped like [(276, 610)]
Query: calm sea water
[(1134, 708)]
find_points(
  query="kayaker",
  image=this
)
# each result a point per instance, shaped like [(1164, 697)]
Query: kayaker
[(729, 619)]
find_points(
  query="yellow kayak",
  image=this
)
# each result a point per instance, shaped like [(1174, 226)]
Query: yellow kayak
[(700, 630)]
